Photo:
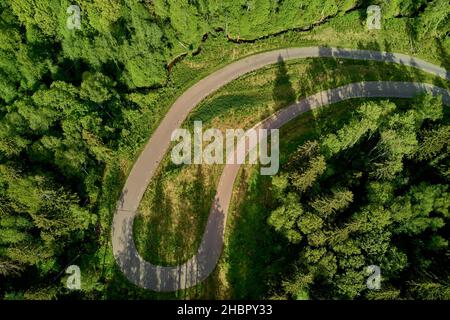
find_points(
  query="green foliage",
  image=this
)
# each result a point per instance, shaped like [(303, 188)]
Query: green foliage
[(313, 165), (404, 7), (70, 99), (431, 290), (369, 117), (435, 20), (36, 220), (284, 218), (378, 192)]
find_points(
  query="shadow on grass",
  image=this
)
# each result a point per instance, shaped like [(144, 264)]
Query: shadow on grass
[(257, 255), (283, 94), (444, 54), (172, 232), (216, 107)]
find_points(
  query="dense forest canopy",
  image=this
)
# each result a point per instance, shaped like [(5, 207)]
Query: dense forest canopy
[(376, 192), (69, 96)]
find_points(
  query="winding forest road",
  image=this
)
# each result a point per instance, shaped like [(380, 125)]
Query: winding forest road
[(199, 267)]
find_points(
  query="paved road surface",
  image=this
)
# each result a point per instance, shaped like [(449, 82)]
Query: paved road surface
[(196, 269)]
